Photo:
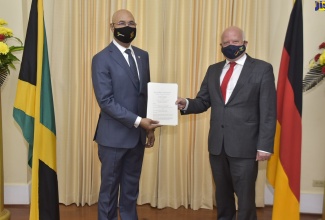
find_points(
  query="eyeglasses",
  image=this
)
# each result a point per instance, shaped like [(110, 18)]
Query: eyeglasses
[(124, 24), (227, 43)]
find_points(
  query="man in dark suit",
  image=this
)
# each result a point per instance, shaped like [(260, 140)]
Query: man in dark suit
[(120, 74), (242, 124)]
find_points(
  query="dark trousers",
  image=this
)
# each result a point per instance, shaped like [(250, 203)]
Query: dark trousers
[(234, 175), (120, 174)]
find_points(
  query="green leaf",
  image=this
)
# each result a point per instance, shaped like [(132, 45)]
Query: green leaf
[(12, 66), (21, 43), (15, 48)]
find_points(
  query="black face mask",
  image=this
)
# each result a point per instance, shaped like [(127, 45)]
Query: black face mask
[(125, 34), (232, 51)]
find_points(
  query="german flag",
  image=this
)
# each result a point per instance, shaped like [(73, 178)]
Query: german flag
[(34, 113), (284, 167)]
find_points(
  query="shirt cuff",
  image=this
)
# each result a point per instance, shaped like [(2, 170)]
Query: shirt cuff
[(137, 122), (264, 151), (186, 106)]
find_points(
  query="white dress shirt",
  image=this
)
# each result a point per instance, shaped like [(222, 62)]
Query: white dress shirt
[(234, 77), (126, 56)]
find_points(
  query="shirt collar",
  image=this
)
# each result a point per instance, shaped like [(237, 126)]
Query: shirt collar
[(121, 48), (240, 61)]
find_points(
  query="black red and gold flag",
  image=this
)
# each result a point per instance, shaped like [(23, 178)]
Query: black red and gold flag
[(284, 167)]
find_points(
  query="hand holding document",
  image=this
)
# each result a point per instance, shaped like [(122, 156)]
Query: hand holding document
[(161, 103)]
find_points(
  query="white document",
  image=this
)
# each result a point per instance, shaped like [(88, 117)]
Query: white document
[(161, 103)]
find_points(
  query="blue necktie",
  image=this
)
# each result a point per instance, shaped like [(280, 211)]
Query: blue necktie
[(133, 67)]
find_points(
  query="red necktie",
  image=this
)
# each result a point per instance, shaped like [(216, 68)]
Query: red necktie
[(225, 80)]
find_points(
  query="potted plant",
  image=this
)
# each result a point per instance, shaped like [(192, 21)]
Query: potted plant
[(7, 57)]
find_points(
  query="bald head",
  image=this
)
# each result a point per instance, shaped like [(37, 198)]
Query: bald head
[(232, 35), (122, 15), (233, 43)]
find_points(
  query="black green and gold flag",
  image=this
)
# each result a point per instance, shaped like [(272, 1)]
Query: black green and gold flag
[(34, 113)]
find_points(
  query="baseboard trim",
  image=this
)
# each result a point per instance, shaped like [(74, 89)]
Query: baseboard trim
[(309, 203), (17, 194)]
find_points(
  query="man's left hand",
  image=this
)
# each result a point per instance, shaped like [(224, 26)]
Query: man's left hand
[(150, 138), (261, 156)]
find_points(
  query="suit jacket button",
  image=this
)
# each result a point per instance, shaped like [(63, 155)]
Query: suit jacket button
[(222, 126)]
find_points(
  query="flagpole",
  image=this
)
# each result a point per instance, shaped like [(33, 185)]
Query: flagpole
[(324, 206), (4, 213)]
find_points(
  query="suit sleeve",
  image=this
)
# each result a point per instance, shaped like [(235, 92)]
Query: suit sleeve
[(201, 103), (267, 111), (104, 91)]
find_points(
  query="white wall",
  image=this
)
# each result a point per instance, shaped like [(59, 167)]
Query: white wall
[(16, 171), (313, 153), (313, 120)]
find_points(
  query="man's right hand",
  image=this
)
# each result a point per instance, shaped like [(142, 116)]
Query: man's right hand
[(181, 103), (149, 124)]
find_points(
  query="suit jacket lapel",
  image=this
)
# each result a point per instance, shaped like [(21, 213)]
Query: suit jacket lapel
[(139, 63), (120, 59), (219, 71), (244, 76)]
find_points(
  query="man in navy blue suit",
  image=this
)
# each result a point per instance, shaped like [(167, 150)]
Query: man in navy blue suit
[(120, 74)]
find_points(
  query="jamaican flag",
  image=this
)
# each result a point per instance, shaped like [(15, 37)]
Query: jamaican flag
[(34, 113)]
